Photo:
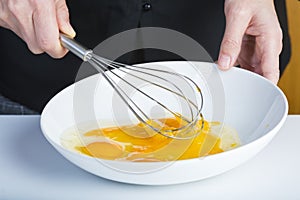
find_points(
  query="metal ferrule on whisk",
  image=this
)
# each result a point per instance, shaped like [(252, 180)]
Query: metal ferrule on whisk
[(76, 48)]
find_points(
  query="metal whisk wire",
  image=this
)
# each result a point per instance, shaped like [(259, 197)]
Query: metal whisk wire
[(105, 66), (97, 60)]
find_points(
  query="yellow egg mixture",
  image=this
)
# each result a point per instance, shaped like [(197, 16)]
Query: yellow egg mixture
[(139, 144)]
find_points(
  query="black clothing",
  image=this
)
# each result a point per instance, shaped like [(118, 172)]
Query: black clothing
[(33, 79)]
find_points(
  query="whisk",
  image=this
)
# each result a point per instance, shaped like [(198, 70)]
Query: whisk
[(191, 115)]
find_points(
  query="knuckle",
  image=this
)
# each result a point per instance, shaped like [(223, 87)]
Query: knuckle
[(45, 44), (12, 6), (64, 17), (236, 11), (63, 13), (62, 8), (34, 3), (276, 35), (16, 7), (37, 4), (277, 32), (229, 43)]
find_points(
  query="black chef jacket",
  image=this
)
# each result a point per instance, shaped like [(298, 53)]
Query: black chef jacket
[(33, 79)]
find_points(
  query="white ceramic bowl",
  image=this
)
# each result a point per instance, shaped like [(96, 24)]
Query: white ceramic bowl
[(251, 104)]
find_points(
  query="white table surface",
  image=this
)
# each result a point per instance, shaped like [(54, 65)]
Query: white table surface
[(30, 168)]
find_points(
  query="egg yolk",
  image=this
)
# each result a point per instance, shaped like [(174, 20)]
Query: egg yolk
[(136, 143)]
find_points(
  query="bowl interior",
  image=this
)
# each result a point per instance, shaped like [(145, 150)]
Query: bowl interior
[(240, 99)]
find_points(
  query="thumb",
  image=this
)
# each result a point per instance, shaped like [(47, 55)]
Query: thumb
[(236, 25), (63, 20)]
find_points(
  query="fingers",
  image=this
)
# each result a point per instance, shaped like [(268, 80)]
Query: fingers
[(38, 23), (270, 67), (46, 29), (63, 19), (237, 21), (14, 18), (259, 51), (271, 45)]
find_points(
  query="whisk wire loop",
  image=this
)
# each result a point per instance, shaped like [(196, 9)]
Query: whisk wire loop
[(107, 67)]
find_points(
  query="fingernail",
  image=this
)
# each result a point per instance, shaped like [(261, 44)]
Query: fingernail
[(71, 31), (68, 29), (224, 62)]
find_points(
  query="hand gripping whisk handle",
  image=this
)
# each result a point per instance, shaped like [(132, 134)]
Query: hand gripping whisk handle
[(76, 48)]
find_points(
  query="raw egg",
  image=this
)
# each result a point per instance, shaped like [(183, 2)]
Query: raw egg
[(136, 143)]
